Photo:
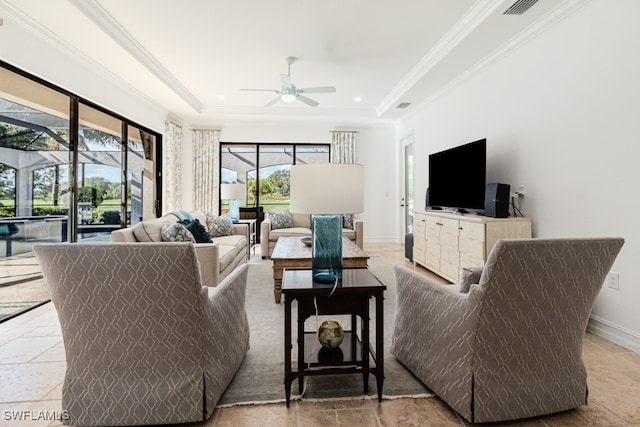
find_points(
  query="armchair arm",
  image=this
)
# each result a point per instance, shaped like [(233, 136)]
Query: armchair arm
[(265, 229), (226, 330), (208, 255), (433, 329)]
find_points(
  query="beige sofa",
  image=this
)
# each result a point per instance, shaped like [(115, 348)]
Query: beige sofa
[(217, 259), (301, 227)]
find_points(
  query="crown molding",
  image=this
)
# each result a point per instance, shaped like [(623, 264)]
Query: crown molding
[(480, 11), (551, 18), (59, 44), (99, 16)]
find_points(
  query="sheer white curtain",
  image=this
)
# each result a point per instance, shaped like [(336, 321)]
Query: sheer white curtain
[(343, 146), (206, 163), (172, 165)]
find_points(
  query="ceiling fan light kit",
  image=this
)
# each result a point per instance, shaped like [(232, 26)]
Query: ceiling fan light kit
[(289, 93)]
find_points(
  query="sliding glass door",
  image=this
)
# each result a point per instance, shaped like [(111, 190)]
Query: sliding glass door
[(70, 171), (264, 170)]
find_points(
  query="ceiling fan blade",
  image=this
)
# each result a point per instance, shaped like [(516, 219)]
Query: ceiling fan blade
[(326, 89), (286, 81), (261, 90), (307, 101), (273, 101)]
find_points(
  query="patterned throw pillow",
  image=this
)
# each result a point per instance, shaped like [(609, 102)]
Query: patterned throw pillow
[(175, 232), (280, 219), (470, 276), (219, 226), (347, 221), (199, 232)]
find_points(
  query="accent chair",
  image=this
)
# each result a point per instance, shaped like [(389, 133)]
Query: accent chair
[(145, 341), (511, 346)]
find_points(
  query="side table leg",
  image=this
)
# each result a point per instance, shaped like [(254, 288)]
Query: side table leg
[(379, 344), (365, 347), (277, 283), (288, 376)]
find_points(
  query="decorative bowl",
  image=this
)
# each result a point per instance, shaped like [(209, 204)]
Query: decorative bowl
[(330, 334), (306, 241)]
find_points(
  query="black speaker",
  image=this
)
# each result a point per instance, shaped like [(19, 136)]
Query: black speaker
[(408, 246), (496, 200)]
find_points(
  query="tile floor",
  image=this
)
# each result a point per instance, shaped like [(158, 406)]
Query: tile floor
[(32, 369)]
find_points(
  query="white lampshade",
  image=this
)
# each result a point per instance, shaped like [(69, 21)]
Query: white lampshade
[(233, 191), (327, 188)]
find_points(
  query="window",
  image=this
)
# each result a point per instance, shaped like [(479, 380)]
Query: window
[(69, 171), (264, 169)]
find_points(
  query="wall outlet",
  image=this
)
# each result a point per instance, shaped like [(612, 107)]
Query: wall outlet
[(613, 280), (520, 191)]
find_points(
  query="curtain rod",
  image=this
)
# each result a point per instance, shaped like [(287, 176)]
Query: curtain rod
[(219, 130), (338, 131)]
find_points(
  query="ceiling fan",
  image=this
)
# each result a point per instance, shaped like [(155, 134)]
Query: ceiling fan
[(289, 93)]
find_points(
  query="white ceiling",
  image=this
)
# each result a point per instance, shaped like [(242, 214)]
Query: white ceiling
[(186, 54)]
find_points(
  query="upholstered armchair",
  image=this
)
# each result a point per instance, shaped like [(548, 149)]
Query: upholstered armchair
[(511, 347), (145, 341)]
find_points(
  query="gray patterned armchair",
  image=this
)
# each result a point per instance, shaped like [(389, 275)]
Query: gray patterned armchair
[(145, 341), (511, 347)]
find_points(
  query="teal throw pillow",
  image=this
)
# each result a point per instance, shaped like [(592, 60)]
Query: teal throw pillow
[(219, 226), (175, 232), (280, 219), (199, 232)]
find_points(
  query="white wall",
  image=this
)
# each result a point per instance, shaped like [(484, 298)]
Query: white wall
[(561, 117), (375, 149), (41, 57)]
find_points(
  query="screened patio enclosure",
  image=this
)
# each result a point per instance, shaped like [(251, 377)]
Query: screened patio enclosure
[(69, 169), (36, 183), (270, 187)]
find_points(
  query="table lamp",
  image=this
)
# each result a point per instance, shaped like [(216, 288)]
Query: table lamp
[(327, 191), (233, 193)]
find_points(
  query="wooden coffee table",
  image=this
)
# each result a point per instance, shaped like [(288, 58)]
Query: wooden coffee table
[(292, 254)]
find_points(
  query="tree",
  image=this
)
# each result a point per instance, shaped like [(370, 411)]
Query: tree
[(279, 182)]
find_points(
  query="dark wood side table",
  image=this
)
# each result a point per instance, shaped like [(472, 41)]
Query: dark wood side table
[(351, 297)]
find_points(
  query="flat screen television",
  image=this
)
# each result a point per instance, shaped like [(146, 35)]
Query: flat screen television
[(457, 177)]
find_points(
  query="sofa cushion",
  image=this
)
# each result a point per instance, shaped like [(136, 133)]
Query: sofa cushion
[(199, 232), (293, 231), (238, 241), (219, 225), (280, 219), (176, 232), (226, 255), (150, 230), (301, 220), (349, 233)]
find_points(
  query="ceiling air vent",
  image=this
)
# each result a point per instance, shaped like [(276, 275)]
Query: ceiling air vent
[(403, 105), (520, 7)]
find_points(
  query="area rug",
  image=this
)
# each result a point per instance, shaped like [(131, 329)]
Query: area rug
[(9, 310), (261, 376)]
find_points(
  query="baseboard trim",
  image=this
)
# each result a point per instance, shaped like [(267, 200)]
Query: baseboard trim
[(614, 333)]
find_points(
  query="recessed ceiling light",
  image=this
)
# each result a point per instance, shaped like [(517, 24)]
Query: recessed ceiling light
[(220, 96), (357, 98)]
